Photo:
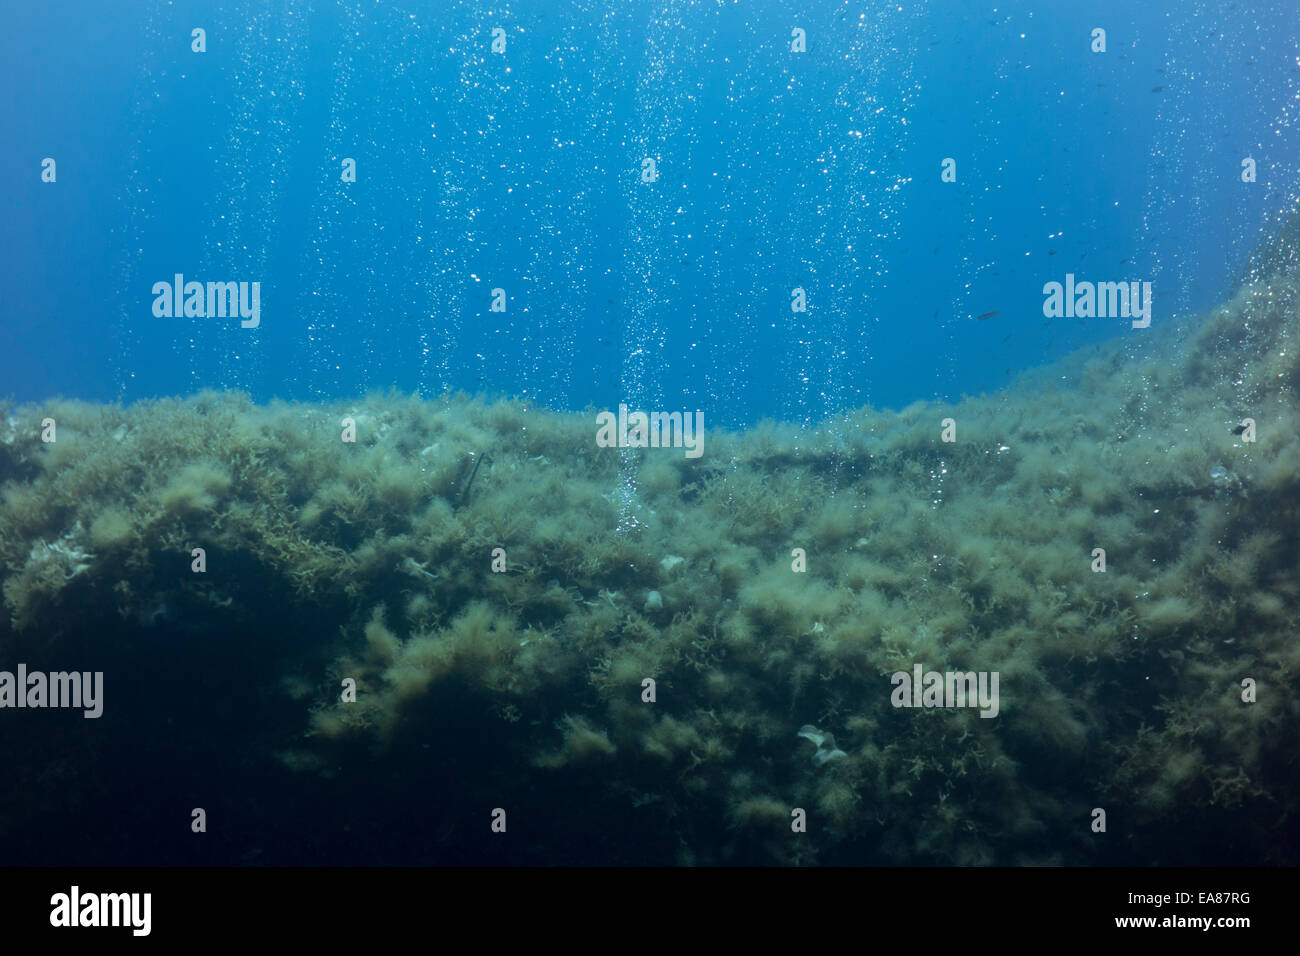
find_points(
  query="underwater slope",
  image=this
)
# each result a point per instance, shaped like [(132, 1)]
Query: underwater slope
[(325, 560)]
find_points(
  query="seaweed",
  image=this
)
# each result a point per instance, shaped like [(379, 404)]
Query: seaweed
[(682, 661)]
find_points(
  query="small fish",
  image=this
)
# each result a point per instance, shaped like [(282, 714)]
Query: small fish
[(1157, 89), (986, 315), (1051, 252), (1239, 429)]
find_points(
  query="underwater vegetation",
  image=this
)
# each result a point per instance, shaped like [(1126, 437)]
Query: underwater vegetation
[(459, 563)]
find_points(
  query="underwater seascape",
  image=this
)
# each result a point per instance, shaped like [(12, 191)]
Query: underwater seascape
[(601, 433)]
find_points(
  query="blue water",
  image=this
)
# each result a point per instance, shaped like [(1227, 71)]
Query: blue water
[(521, 171)]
